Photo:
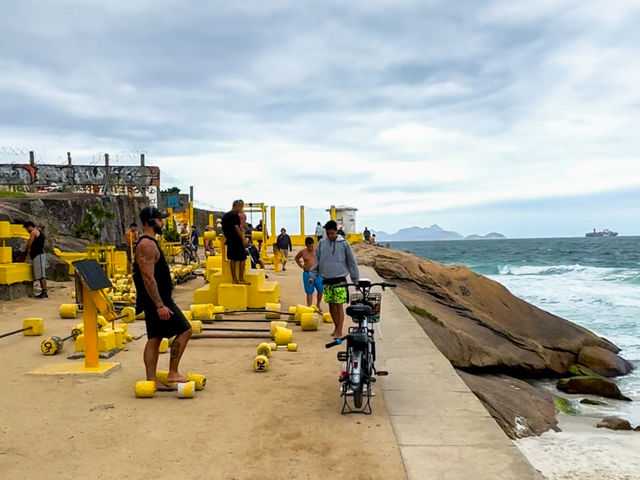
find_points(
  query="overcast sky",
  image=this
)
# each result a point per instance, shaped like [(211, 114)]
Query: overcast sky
[(507, 116)]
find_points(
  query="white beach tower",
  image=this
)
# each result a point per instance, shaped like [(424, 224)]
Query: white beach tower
[(345, 216)]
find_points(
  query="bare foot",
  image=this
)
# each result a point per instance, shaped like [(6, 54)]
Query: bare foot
[(164, 388), (176, 378), (336, 335)]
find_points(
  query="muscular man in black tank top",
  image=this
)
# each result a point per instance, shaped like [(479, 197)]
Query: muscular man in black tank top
[(163, 317)]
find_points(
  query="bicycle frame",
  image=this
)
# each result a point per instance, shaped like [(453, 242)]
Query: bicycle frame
[(360, 354)]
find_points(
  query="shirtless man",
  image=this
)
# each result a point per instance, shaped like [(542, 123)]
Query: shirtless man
[(131, 238), (305, 259), (163, 318)]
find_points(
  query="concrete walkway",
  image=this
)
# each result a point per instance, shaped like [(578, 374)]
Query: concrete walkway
[(442, 429)]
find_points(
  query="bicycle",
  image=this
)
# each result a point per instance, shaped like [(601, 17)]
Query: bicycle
[(189, 254), (360, 355)]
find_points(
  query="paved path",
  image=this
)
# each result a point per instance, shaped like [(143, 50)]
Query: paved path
[(442, 429)]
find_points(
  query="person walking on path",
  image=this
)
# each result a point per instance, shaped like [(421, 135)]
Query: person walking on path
[(35, 249), (366, 235), (234, 240), (319, 231), (283, 243), (163, 318), (334, 261), (305, 259)]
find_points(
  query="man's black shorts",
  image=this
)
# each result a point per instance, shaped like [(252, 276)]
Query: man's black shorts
[(157, 328), (236, 251)]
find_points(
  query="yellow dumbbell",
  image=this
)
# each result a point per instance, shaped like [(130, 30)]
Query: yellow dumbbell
[(199, 380), (147, 389), (261, 364), (283, 336)]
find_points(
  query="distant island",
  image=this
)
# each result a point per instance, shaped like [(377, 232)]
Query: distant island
[(434, 232)]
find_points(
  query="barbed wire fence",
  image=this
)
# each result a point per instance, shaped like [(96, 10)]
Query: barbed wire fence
[(12, 154)]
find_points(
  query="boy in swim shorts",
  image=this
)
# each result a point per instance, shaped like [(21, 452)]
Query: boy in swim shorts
[(305, 259)]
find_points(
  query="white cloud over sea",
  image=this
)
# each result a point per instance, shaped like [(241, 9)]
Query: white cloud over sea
[(517, 117)]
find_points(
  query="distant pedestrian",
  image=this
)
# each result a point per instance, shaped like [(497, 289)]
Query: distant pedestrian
[(366, 235), (194, 238), (283, 242), (319, 232), (341, 232), (35, 249), (305, 259), (372, 240), (131, 238), (209, 249), (334, 261)]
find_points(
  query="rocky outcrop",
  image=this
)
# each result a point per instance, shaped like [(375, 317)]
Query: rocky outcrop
[(519, 408), (479, 325), (614, 423), (603, 362), (61, 213), (591, 385), (485, 330)]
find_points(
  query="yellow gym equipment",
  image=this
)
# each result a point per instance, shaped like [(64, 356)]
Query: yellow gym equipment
[(221, 291), (12, 272), (91, 283)]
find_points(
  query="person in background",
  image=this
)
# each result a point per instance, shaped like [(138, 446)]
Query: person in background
[(372, 240), (366, 235), (163, 318), (305, 259), (234, 240), (334, 261), (341, 232), (284, 245), (319, 232), (35, 249), (194, 238), (253, 253), (209, 249), (260, 228), (131, 238)]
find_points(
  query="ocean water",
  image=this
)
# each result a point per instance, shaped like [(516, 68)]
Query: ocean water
[(593, 282)]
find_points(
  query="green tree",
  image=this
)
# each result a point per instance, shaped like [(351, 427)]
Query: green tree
[(93, 221)]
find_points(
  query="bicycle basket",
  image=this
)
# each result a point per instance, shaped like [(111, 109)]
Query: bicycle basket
[(374, 300)]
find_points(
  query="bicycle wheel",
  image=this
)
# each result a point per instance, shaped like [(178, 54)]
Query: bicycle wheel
[(357, 394)]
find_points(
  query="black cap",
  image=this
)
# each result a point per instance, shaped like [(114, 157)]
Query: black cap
[(149, 213)]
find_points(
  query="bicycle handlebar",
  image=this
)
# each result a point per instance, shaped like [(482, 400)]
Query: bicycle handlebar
[(337, 341)]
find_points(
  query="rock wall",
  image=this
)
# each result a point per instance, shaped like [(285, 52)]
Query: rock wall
[(61, 213)]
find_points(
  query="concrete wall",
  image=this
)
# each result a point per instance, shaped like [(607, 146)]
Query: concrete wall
[(128, 180)]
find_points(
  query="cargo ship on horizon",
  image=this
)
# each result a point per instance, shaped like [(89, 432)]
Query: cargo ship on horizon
[(603, 233)]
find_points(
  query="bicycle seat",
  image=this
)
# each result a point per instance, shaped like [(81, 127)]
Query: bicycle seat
[(359, 310)]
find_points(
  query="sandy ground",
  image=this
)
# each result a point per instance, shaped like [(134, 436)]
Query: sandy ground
[(583, 452), (285, 423)]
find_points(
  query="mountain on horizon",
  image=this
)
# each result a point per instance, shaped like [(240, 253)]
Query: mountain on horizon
[(434, 232)]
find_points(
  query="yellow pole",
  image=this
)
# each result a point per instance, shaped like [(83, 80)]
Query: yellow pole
[(273, 221), (302, 220), (333, 212), (211, 219), (170, 219), (191, 213), (90, 321)]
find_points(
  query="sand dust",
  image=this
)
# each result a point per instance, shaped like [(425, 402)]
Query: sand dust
[(283, 424)]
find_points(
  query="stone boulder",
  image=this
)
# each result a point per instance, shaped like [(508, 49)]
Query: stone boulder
[(477, 323), (520, 409), (614, 423), (591, 385), (57, 270), (603, 362)]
